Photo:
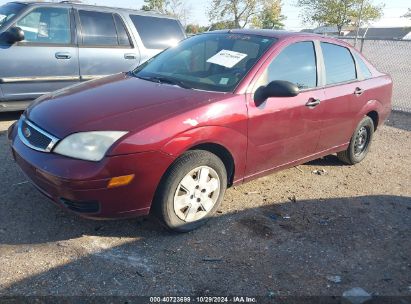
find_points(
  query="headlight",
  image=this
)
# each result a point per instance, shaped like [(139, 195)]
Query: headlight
[(88, 145)]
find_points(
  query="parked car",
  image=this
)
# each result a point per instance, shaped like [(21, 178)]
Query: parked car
[(48, 46), (219, 109)]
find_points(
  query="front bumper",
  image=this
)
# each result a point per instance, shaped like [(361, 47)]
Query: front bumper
[(81, 186)]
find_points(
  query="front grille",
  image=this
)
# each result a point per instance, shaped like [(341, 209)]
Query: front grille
[(81, 207), (34, 137)]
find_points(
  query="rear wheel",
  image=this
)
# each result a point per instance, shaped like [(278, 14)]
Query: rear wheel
[(191, 190), (359, 144)]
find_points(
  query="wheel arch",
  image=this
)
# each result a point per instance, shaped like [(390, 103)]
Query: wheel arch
[(221, 152), (228, 144), (372, 109), (375, 118)]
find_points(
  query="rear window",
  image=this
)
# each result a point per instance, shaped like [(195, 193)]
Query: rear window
[(339, 63), (365, 72), (98, 28), (157, 33)]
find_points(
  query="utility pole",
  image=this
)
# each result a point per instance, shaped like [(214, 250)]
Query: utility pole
[(359, 23)]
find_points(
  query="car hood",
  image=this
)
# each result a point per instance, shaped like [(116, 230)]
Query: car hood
[(119, 102)]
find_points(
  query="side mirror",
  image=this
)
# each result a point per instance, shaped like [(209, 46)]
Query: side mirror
[(15, 34), (277, 88)]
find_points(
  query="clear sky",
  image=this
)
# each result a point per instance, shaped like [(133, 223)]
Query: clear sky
[(198, 8)]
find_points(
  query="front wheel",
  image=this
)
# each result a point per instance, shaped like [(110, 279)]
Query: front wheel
[(191, 190), (359, 144)]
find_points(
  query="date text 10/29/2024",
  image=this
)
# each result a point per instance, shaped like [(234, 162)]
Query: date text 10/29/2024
[(234, 299)]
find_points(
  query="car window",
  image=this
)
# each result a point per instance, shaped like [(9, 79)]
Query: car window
[(46, 25), (123, 38), (365, 71), (339, 63), (296, 63), (98, 28), (157, 33)]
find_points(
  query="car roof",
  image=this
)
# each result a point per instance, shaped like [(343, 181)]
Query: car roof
[(88, 6), (268, 33), (280, 34)]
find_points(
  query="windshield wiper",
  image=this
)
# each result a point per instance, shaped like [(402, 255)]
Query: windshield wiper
[(161, 79)]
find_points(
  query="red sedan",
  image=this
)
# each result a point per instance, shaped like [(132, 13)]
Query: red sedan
[(219, 109)]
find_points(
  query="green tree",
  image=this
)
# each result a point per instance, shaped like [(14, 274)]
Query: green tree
[(195, 29), (270, 17), (222, 25), (339, 13), (239, 12)]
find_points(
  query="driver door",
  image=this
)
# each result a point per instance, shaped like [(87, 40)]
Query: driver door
[(284, 130), (46, 60)]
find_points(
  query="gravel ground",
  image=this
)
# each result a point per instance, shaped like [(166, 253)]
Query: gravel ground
[(290, 233)]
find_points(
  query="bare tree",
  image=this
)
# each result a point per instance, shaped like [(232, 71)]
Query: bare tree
[(175, 8), (408, 14)]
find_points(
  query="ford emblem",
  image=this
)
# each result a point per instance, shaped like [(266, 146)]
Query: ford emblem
[(27, 132)]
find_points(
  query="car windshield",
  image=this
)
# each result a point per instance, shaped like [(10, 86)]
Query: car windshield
[(212, 62), (8, 11)]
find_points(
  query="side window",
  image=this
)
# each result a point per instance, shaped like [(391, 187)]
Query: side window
[(47, 25), (157, 33), (123, 38), (296, 63), (339, 63), (363, 67), (98, 28)]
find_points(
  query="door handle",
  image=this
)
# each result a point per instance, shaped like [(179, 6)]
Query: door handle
[(358, 91), (130, 56), (63, 55), (313, 103)]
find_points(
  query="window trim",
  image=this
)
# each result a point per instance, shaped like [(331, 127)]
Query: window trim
[(73, 36), (130, 41), (325, 85), (360, 75), (99, 46)]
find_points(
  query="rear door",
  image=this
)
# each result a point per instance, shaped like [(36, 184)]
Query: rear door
[(343, 96), (46, 60), (105, 45), (287, 129)]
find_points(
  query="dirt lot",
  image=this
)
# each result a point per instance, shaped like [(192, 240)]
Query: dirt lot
[(291, 233)]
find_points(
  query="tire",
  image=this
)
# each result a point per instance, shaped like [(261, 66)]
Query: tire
[(359, 144), (184, 199)]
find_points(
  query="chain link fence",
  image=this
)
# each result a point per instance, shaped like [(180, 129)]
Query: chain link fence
[(392, 57)]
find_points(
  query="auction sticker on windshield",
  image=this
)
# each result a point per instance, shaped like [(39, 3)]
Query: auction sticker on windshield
[(227, 58)]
